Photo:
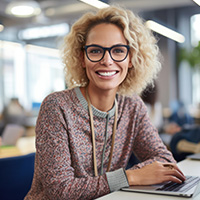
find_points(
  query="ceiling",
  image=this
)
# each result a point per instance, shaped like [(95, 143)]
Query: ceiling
[(58, 11)]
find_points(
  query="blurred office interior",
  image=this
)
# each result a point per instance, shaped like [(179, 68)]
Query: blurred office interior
[(31, 66), (31, 34)]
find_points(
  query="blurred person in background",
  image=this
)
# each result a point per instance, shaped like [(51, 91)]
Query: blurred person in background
[(179, 132), (154, 107), (13, 113)]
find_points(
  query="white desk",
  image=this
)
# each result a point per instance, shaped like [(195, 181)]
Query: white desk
[(188, 167), (24, 146)]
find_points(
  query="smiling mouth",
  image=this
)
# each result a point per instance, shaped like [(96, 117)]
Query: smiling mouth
[(107, 74)]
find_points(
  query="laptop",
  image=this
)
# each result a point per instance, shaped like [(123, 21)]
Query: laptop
[(190, 188), (11, 134), (195, 156)]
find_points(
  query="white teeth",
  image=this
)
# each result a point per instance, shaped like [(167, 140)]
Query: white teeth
[(106, 73)]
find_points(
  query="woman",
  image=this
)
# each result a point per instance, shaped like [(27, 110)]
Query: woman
[(86, 134)]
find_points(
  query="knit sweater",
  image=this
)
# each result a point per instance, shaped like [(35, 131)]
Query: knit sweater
[(64, 163)]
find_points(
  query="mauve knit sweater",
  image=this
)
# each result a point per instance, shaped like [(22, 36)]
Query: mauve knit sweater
[(64, 159)]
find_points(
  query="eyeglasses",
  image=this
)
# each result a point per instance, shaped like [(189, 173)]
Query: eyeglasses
[(95, 53)]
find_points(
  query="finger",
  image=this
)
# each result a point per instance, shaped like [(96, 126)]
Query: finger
[(173, 179), (173, 166), (175, 173), (172, 169), (180, 176), (176, 167)]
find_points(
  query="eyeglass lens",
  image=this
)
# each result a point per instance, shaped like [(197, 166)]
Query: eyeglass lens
[(96, 53)]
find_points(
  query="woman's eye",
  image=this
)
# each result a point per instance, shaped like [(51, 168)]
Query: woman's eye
[(95, 51), (118, 50)]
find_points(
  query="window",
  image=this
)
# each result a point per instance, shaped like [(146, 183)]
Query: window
[(44, 73), (11, 67), (29, 73)]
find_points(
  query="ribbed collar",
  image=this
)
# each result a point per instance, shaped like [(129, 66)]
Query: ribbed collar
[(96, 112)]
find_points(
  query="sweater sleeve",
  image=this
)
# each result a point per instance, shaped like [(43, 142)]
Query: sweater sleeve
[(57, 179), (117, 179), (148, 146)]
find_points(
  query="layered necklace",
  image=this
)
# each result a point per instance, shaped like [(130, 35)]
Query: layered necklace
[(93, 134)]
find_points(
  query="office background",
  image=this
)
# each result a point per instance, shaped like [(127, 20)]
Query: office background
[(30, 64)]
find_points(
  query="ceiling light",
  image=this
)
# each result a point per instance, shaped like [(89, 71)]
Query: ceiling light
[(23, 8), (165, 31), (1, 27), (197, 2), (96, 3)]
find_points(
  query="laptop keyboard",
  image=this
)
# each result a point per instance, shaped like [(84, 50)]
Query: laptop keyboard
[(183, 187)]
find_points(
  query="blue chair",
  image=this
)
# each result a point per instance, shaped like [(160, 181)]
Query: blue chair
[(16, 175)]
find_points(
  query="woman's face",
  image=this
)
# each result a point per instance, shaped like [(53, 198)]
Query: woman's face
[(106, 74)]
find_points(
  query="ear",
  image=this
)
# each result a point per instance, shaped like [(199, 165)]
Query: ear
[(130, 65), (82, 59)]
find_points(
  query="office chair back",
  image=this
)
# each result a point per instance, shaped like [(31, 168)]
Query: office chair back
[(16, 174)]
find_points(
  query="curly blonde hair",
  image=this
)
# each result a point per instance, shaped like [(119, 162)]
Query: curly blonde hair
[(144, 51)]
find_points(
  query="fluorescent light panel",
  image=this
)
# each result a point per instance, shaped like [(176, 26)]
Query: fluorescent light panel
[(197, 2), (96, 3), (165, 31), (44, 31)]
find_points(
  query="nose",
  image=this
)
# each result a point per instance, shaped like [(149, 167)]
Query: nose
[(107, 60)]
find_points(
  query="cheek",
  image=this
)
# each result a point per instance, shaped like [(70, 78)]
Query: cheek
[(85, 63), (127, 64)]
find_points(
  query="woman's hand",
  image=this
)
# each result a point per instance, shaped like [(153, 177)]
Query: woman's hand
[(155, 173)]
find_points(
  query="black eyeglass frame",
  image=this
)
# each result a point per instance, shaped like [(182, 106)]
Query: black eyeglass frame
[(107, 49)]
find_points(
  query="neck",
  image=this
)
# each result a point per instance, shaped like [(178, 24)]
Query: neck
[(101, 100)]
